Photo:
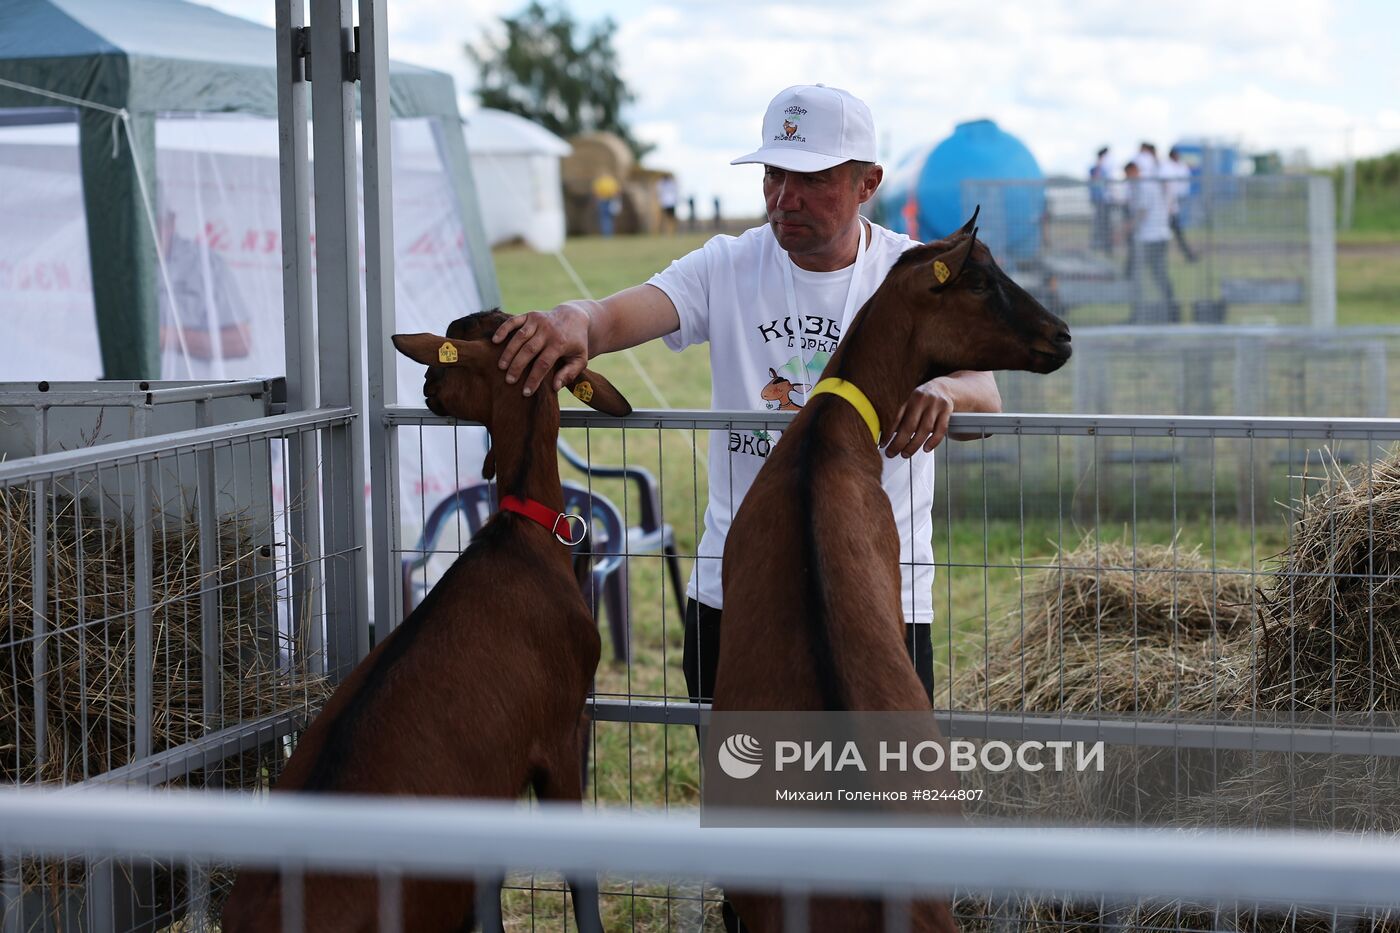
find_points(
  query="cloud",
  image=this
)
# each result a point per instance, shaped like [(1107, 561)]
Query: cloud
[(1064, 75)]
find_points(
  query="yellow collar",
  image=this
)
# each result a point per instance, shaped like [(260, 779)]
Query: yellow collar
[(851, 393)]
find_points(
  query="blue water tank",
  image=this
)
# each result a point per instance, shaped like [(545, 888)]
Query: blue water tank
[(933, 190)]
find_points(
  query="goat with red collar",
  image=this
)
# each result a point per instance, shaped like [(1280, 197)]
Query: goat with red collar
[(481, 691)]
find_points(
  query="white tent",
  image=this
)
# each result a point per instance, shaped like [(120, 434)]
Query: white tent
[(516, 167), (218, 208)]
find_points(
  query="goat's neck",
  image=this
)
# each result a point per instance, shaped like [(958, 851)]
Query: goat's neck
[(524, 438), (878, 356)]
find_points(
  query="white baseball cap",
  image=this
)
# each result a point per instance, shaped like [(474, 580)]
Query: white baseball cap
[(811, 127)]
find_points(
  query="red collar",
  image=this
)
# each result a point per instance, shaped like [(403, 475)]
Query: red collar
[(556, 522)]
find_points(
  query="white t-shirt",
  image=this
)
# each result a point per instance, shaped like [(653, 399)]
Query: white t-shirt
[(730, 293), (1178, 181), (1146, 163), (1147, 198)]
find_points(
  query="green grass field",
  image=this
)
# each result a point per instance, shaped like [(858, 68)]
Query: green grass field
[(986, 564)]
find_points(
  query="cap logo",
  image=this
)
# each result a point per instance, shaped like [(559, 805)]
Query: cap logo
[(583, 390), (940, 271), (447, 353), (792, 116)]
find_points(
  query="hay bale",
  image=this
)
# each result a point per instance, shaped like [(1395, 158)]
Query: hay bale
[(90, 646), (1112, 628), (1329, 636)]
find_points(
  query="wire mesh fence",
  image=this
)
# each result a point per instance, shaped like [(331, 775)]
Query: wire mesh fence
[(1225, 249), (1218, 370), (1199, 592), (1193, 586), (166, 624)]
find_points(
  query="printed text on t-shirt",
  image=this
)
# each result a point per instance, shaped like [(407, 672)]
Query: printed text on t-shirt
[(813, 333)]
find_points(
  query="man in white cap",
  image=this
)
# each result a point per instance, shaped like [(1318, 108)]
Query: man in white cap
[(773, 303)]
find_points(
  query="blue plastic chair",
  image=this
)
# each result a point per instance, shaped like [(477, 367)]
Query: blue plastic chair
[(603, 547), (650, 535)]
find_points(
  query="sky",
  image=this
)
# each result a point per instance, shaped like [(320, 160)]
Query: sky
[(1320, 77)]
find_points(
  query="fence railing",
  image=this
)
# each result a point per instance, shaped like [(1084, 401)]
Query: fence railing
[(996, 875)]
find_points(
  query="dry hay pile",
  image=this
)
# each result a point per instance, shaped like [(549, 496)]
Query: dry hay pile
[(1327, 649), (1121, 629), (89, 650), (1329, 636)]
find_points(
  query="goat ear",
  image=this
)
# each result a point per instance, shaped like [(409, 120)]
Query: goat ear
[(971, 225), (597, 393), (430, 349), (488, 464), (948, 265)]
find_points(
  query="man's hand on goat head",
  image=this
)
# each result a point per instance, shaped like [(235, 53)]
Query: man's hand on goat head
[(921, 423), (538, 341)]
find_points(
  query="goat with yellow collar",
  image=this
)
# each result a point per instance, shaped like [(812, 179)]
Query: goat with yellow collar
[(811, 563)]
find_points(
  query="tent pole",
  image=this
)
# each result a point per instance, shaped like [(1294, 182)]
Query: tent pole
[(121, 245), (452, 149), (373, 57), (338, 332)]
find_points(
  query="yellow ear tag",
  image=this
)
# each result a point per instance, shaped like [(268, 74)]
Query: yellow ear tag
[(583, 390), (447, 353), (940, 271)]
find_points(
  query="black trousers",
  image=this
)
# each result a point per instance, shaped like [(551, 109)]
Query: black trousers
[(701, 655)]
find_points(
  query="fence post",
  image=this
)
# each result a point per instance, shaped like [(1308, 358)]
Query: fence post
[(143, 617), (339, 346), (301, 499), (373, 57), (1322, 251), (210, 636)]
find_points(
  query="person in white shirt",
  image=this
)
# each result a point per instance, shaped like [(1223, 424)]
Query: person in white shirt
[(772, 304), (1176, 175), (1149, 231), (1100, 173), (667, 194), (1145, 161)]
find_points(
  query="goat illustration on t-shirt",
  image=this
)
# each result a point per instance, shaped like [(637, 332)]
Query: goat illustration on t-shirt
[(779, 389)]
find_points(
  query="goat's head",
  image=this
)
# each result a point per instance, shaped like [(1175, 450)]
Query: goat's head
[(463, 380), (979, 319)]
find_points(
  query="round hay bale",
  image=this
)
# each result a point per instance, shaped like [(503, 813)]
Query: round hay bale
[(1115, 628), (595, 154), (1329, 638)]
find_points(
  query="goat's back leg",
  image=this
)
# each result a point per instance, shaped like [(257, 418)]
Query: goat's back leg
[(562, 779)]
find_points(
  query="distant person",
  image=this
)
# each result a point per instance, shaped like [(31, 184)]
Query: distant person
[(202, 317), (667, 194), (718, 216), (694, 217), (1176, 177), (606, 195), (1100, 173), (1146, 161), (1148, 236)]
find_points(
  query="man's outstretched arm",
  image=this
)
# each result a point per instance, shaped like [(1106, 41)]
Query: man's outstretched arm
[(922, 421), (576, 331)]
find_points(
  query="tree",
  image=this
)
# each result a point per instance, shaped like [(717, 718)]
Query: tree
[(548, 70)]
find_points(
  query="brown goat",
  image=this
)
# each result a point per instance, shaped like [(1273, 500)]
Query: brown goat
[(811, 562), (481, 691)]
